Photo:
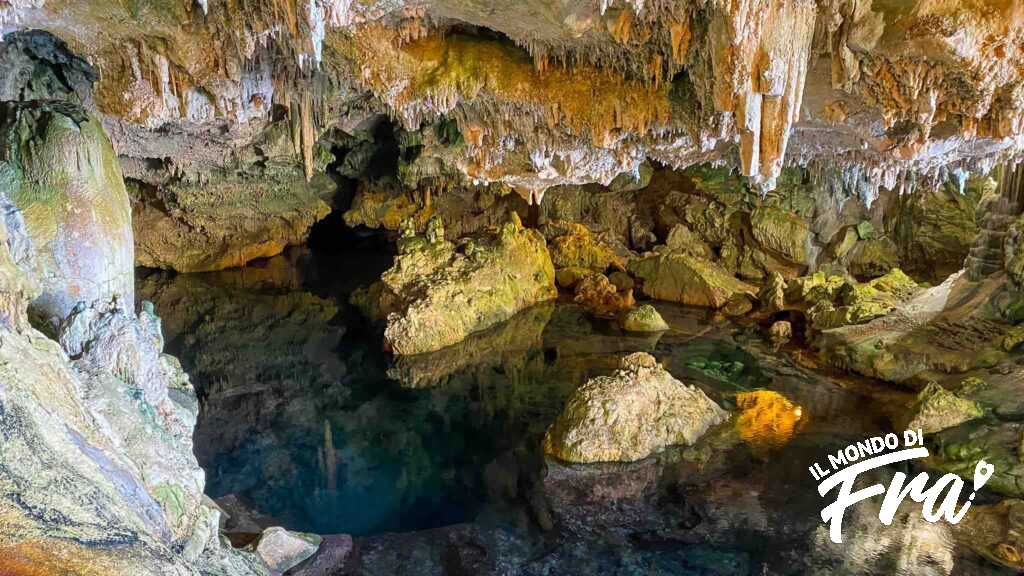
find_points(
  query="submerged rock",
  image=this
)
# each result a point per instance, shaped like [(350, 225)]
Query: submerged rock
[(996, 533), (630, 415), (490, 348), (436, 294), (282, 549), (643, 319), (998, 443), (910, 546)]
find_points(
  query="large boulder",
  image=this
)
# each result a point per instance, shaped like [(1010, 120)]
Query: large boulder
[(575, 246), (637, 411), (436, 295), (227, 221), (65, 206), (687, 279), (783, 233)]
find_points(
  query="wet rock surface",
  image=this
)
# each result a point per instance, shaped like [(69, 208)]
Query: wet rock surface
[(828, 174), (637, 411), (437, 294)]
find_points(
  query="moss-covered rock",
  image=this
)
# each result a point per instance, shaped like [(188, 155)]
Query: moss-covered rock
[(937, 409), (228, 220), (639, 410), (682, 239), (872, 258), (687, 279), (578, 247), (438, 294), (568, 277), (856, 303), (959, 449), (643, 319), (936, 229)]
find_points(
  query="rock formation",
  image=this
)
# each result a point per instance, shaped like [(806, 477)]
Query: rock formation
[(843, 177), (437, 294), (98, 471), (628, 416)]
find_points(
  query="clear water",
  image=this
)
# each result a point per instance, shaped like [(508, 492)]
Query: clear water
[(306, 421)]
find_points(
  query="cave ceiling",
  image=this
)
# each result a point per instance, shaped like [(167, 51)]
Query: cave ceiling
[(551, 92)]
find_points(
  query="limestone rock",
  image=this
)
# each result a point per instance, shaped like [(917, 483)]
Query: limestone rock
[(493, 347), (630, 415), (568, 278), (783, 233), (687, 279), (579, 248), (780, 332), (856, 303), (872, 258), (941, 226), (441, 295), (998, 443), (773, 293), (937, 409), (69, 222), (228, 221), (602, 298), (682, 239), (282, 549), (996, 533), (98, 411), (643, 319)]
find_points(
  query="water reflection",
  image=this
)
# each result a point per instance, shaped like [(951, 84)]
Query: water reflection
[(306, 423)]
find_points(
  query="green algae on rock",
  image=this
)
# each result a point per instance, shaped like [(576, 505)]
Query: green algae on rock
[(69, 213), (438, 293), (937, 409), (643, 319), (856, 303), (639, 410), (687, 279)]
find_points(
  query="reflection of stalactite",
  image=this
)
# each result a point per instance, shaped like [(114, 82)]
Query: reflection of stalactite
[(329, 459)]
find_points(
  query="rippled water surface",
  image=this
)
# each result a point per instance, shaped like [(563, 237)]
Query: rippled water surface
[(307, 424)]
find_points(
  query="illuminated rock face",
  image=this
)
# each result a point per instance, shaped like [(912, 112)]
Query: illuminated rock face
[(94, 407), (68, 213)]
